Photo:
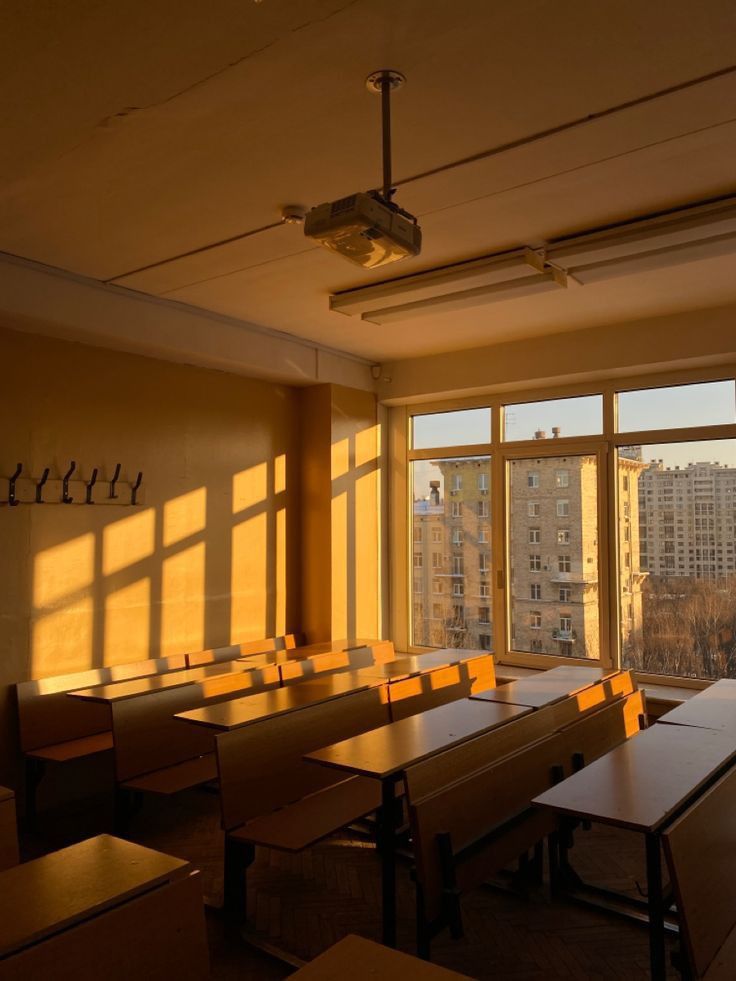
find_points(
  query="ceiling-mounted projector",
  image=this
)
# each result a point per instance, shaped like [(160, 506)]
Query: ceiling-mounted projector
[(367, 227)]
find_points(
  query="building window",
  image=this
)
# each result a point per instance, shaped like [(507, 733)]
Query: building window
[(625, 483), (566, 625), (436, 535), (458, 589), (533, 509), (484, 564), (562, 478), (532, 480), (482, 536), (457, 482), (484, 614), (418, 560), (534, 536), (563, 563), (485, 590), (457, 565), (457, 536), (563, 509), (535, 620), (483, 483), (456, 509), (484, 642), (436, 560), (482, 509), (535, 591), (437, 610), (417, 533), (563, 536), (535, 563), (565, 594)]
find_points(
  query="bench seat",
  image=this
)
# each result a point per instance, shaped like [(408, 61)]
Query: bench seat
[(307, 821), (175, 778), (73, 749)]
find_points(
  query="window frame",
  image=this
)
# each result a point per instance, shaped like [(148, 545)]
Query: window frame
[(500, 452)]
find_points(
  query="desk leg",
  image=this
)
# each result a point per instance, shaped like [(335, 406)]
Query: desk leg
[(387, 826), (655, 902)]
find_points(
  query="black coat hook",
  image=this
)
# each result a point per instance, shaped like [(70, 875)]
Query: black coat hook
[(134, 488), (65, 498), (39, 486), (114, 480), (11, 485), (90, 484)]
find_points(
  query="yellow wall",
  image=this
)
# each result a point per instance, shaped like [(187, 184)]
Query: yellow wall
[(210, 556)]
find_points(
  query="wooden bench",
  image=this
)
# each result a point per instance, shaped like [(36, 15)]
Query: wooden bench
[(53, 729), (270, 796), (364, 960), (104, 908), (409, 696), (700, 848), (234, 651), (351, 659), (8, 830), (471, 813)]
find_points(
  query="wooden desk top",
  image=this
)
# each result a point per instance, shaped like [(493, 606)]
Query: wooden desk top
[(311, 650), (410, 666), (364, 960), (161, 682), (712, 708), (6, 794), (392, 748), (49, 894), (643, 782), (239, 712), (545, 688)]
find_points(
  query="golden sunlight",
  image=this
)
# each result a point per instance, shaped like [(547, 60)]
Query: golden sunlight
[(185, 515), (128, 541)]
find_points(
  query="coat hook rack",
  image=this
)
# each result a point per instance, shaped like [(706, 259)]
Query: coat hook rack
[(65, 497), (134, 488), (39, 486), (12, 501), (90, 484), (115, 478)]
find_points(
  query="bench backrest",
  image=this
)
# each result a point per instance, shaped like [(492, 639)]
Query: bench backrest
[(147, 737), (8, 830), (498, 797), (700, 847), (47, 716), (440, 686), (348, 660), (261, 766), (435, 772), (233, 651)]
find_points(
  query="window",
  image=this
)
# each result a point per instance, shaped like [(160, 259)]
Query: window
[(563, 509), (562, 478), (532, 480), (465, 427), (535, 563), (563, 563), (484, 563), (484, 642), (484, 589), (418, 560), (457, 483), (457, 565), (482, 535), (436, 560), (706, 404), (457, 509), (534, 536), (436, 610), (565, 625), (563, 536), (483, 483), (418, 533), (457, 536), (578, 416), (535, 591), (458, 589), (484, 614), (535, 620), (565, 594), (482, 509), (436, 536), (533, 509)]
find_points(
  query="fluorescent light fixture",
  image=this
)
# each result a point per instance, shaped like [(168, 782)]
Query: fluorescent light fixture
[(544, 282)]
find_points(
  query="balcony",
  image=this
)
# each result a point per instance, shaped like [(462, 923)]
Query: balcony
[(566, 635)]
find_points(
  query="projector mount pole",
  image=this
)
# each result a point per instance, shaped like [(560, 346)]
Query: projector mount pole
[(381, 83)]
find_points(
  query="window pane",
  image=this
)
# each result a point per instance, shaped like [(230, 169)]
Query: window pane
[(582, 416), (677, 518), (554, 556), (468, 427), (708, 404), (452, 553)]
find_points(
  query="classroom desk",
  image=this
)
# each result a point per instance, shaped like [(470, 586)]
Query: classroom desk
[(364, 960), (239, 712), (120, 690), (386, 752), (539, 690), (642, 785), (412, 665), (712, 708), (311, 650)]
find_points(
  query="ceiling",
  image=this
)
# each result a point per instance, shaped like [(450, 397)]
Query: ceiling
[(138, 132)]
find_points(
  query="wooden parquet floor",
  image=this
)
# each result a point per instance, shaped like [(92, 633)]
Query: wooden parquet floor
[(303, 903)]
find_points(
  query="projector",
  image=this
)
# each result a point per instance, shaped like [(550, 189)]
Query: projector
[(365, 229)]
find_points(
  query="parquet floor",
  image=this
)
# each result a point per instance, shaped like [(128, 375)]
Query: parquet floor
[(304, 903)]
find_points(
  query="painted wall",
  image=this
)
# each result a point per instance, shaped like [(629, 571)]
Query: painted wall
[(211, 554)]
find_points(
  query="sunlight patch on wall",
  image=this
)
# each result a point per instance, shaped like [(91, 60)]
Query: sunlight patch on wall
[(182, 601), (366, 551), (341, 565), (249, 580), (63, 570), (280, 584), (127, 623), (279, 474), (340, 458), (366, 445), (250, 487), (62, 641), (185, 515), (128, 541)]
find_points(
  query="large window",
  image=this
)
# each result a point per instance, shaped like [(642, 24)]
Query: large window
[(613, 532)]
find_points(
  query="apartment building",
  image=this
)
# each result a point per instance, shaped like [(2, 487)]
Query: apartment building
[(687, 520)]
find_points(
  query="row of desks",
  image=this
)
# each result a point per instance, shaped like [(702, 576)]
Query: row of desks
[(646, 782)]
